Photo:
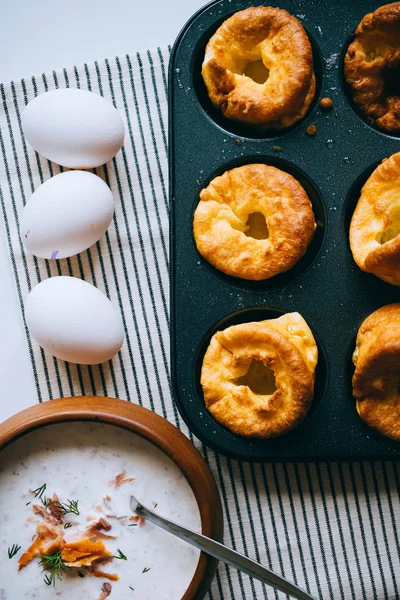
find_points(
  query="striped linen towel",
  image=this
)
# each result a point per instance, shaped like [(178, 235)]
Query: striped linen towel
[(331, 528)]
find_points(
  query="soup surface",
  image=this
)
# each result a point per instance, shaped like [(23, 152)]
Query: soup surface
[(91, 463)]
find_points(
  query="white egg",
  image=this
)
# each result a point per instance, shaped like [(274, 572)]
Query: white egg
[(74, 128), (72, 320), (66, 215)]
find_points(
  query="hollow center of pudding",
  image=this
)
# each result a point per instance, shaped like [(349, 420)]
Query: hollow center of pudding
[(257, 227), (257, 71), (259, 378), (393, 229)]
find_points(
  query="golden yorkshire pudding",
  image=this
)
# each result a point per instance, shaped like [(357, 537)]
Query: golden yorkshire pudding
[(375, 225), (258, 378), (253, 222), (258, 68), (376, 380), (372, 67)]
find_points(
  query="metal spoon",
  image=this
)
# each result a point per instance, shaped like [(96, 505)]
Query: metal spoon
[(221, 552)]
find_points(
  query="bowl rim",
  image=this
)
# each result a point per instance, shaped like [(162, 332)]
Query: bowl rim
[(157, 431)]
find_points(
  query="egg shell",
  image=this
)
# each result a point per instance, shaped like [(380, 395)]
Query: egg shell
[(66, 215), (74, 128), (73, 320)]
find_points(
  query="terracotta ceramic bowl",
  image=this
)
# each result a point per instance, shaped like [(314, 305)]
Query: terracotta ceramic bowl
[(156, 430)]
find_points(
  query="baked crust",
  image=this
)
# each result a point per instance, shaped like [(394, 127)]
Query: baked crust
[(280, 41), (375, 225), (376, 380), (221, 222), (370, 65), (284, 345)]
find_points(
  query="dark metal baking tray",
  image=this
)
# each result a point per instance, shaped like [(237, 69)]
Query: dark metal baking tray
[(326, 287)]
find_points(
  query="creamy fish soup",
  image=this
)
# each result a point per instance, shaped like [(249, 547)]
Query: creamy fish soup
[(65, 520)]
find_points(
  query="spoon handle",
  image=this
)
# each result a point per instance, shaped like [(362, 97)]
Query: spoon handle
[(221, 552)]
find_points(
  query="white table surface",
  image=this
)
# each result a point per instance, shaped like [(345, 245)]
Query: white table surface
[(41, 36)]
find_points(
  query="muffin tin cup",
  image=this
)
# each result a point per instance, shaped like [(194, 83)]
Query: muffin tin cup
[(242, 130), (327, 289), (315, 245)]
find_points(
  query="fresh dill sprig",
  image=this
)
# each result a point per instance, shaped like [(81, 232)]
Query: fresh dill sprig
[(133, 525), (67, 525), (80, 574), (121, 555), (48, 579), (40, 491), (68, 508), (146, 569), (13, 550), (55, 565), (131, 588)]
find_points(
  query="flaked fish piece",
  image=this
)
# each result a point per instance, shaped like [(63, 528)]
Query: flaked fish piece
[(138, 519), (94, 530), (84, 553), (106, 591), (51, 512), (49, 539), (98, 573), (120, 479), (41, 511)]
